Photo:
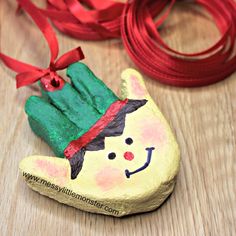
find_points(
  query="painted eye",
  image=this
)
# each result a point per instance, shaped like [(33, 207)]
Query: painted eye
[(129, 141), (111, 156)]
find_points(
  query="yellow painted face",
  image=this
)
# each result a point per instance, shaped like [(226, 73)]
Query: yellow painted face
[(135, 172)]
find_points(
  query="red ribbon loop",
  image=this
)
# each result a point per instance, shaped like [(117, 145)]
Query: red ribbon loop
[(28, 74), (150, 53), (134, 21)]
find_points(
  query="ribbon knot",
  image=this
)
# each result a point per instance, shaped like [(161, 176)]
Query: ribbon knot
[(28, 74), (51, 80), (52, 67)]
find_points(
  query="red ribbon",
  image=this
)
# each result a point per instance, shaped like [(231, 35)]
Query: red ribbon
[(102, 21), (133, 21), (75, 145), (146, 48), (28, 74)]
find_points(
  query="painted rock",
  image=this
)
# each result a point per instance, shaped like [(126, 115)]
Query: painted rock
[(118, 156)]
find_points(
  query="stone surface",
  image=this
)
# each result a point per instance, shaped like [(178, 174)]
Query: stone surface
[(103, 185)]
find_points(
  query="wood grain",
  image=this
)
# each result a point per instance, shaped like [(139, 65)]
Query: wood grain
[(203, 119)]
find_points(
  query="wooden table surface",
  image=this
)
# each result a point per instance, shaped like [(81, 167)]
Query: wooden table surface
[(203, 119)]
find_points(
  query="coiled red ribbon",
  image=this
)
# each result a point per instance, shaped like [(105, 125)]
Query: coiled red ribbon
[(133, 21), (146, 48), (28, 74)]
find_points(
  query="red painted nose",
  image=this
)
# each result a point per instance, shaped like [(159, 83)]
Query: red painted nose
[(129, 156)]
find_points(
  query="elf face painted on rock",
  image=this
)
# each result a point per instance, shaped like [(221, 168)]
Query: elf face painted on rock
[(117, 156)]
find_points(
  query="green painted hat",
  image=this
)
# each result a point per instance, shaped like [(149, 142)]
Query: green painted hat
[(77, 117)]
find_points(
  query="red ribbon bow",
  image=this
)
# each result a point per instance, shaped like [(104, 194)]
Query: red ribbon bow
[(28, 74)]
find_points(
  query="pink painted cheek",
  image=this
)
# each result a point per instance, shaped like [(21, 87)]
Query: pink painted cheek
[(136, 87), (109, 177), (51, 169), (152, 132)]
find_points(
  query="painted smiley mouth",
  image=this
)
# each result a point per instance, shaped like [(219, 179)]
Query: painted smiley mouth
[(146, 164)]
